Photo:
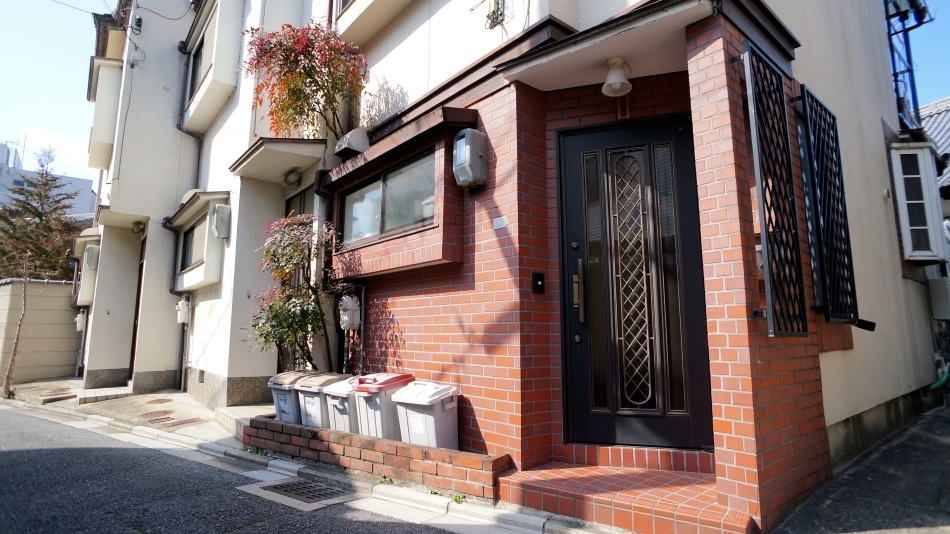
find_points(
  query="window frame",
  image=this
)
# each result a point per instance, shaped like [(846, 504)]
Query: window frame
[(381, 179), (931, 201), (188, 242)]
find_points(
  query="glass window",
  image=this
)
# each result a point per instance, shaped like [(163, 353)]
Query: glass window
[(193, 244), (399, 198), (299, 204), (197, 69)]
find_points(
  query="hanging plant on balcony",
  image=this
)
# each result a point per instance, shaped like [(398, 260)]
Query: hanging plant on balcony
[(291, 314), (309, 75)]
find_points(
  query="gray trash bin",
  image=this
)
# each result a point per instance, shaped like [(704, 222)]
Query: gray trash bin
[(313, 404), (285, 396), (375, 408), (428, 414), (341, 405)]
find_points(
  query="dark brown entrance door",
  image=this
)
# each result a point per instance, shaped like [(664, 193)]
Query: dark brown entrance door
[(637, 367)]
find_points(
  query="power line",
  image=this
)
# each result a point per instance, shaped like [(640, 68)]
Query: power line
[(73, 7)]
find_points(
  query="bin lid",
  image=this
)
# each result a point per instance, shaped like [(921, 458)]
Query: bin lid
[(289, 378), (316, 383), (376, 382), (425, 393), (343, 388)]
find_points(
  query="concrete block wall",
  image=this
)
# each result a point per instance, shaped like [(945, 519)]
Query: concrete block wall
[(49, 342)]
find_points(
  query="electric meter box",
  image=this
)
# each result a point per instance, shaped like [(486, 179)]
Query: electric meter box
[(341, 405), (376, 409), (428, 414), (285, 395), (313, 403), (470, 159)]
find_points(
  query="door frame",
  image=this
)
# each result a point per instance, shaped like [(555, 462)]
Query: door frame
[(702, 424)]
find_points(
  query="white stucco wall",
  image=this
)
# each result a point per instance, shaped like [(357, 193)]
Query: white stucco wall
[(156, 345), (149, 150), (897, 357), (218, 339), (113, 306)]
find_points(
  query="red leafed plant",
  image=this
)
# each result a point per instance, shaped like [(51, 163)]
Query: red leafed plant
[(291, 314), (308, 74)]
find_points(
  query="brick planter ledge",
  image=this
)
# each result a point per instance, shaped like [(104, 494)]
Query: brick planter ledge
[(459, 472)]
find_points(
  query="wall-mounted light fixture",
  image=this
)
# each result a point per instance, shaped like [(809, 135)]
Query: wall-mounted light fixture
[(617, 82), (138, 228), (292, 178)]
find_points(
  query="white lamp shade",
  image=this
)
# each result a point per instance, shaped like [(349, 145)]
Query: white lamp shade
[(617, 83)]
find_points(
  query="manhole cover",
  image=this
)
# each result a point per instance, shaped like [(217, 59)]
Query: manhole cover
[(155, 414), (158, 401), (306, 491)]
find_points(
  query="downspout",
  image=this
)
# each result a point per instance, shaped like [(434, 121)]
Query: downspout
[(199, 143), (183, 334)]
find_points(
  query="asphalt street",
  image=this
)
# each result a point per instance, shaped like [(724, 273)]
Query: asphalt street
[(70, 476)]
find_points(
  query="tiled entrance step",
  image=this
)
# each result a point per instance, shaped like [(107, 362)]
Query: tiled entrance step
[(642, 500)]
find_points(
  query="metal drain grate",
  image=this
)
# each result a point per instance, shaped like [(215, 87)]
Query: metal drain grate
[(305, 491), (155, 414), (184, 422)]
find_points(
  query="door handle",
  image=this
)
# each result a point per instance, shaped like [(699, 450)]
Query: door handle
[(578, 283)]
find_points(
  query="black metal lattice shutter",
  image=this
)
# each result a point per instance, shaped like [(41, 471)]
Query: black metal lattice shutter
[(784, 284), (835, 293)]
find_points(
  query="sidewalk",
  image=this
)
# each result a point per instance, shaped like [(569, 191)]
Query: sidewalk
[(900, 486)]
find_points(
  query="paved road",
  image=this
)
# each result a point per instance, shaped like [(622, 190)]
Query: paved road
[(67, 476)]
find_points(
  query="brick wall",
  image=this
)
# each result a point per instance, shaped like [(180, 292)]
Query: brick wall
[(771, 443), (459, 472), (475, 324)]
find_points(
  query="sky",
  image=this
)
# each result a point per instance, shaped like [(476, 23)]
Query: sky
[(46, 46)]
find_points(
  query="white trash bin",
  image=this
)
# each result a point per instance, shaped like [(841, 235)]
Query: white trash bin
[(341, 405), (313, 404), (377, 411), (428, 414), (285, 396)]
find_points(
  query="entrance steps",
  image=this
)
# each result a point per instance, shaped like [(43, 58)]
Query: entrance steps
[(631, 499)]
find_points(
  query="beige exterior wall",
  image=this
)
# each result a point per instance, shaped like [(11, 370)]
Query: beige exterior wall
[(897, 357), (49, 342), (113, 311)]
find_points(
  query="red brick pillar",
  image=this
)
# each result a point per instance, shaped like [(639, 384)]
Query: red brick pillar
[(770, 436)]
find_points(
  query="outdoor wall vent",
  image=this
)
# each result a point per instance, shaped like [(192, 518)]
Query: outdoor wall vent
[(354, 142), (90, 259), (221, 221)]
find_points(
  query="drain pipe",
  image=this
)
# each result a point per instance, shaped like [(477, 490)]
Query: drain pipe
[(183, 334), (199, 144)]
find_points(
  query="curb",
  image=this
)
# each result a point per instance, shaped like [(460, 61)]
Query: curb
[(473, 512)]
